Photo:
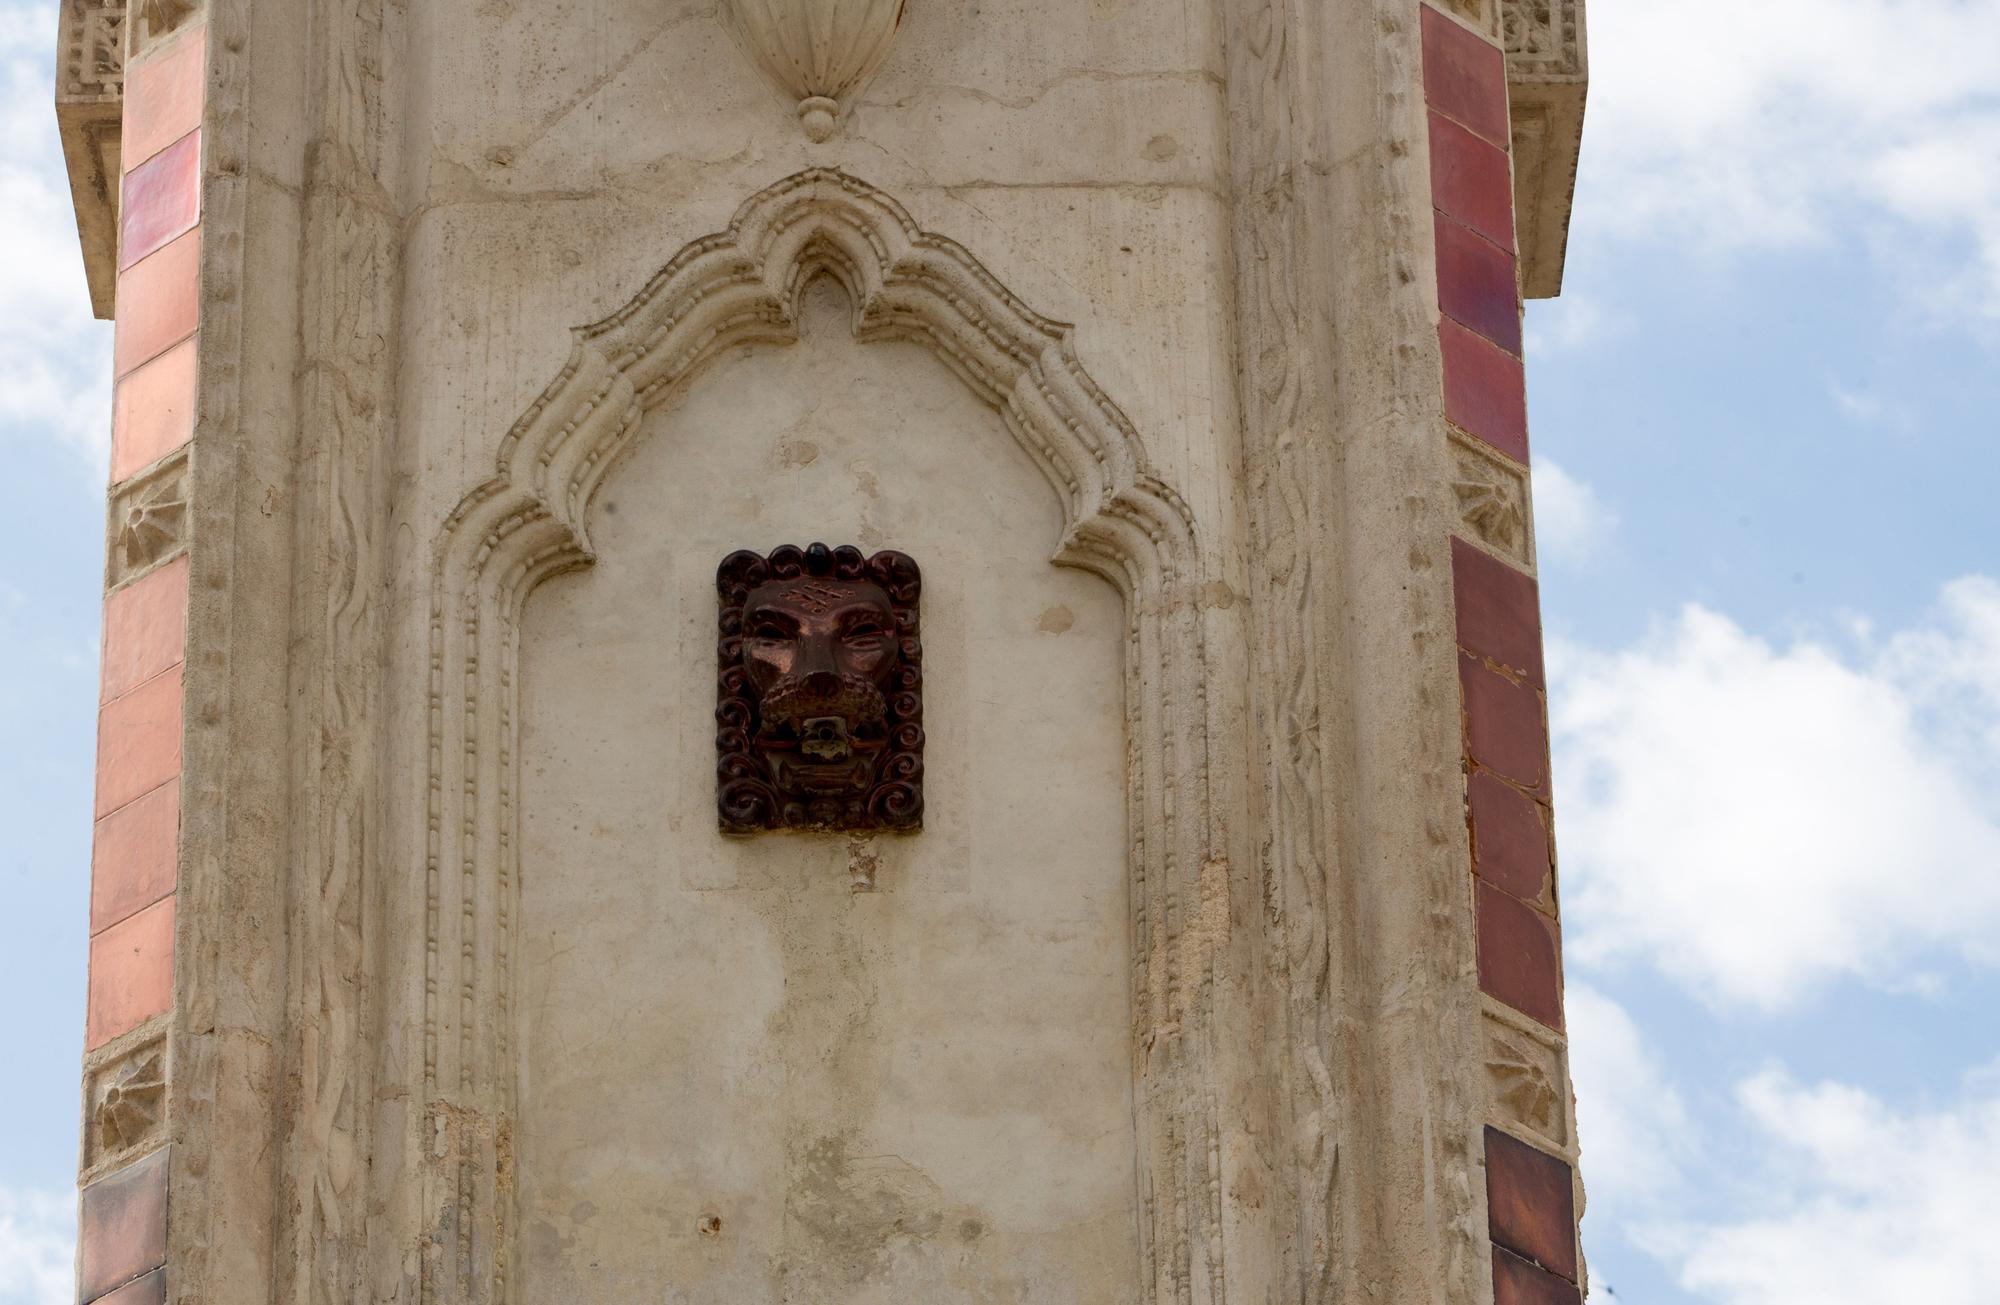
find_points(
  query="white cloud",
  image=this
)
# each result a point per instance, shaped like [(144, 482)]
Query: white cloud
[(1571, 522), (1631, 1123), (1859, 1203), (55, 363), (1754, 820), (1576, 320), (37, 1248), (1756, 125)]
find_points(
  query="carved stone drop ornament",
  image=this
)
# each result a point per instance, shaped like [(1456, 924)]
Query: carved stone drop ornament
[(818, 51), (819, 713)]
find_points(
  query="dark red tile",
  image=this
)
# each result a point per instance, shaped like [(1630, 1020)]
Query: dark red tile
[(1465, 76), (121, 1227), (138, 742), (1531, 1203), (159, 303), (145, 628), (153, 413), (1520, 956), (1517, 1282), (131, 974), (133, 856), (1472, 181), (1485, 390), (1504, 729), (1499, 611), (1510, 840), (1475, 284), (163, 96), (162, 200)]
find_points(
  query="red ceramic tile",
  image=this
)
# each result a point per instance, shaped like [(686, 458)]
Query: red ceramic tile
[(1520, 956), (163, 93), (138, 742), (121, 1227), (1517, 1282), (1504, 730), (162, 200), (159, 303), (1472, 181), (145, 628), (132, 857), (131, 974), (153, 413), (1465, 76), (1510, 840), (149, 1290), (1475, 284), (1499, 611), (1531, 1203), (1485, 391)]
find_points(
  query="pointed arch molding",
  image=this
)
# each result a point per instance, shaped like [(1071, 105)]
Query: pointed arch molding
[(529, 521)]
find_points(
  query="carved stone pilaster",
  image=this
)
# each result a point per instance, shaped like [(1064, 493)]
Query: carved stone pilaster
[(90, 100), (1548, 76)]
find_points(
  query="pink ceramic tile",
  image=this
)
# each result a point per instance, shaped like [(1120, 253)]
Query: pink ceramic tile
[(1476, 284), (131, 974), (162, 200), (138, 742), (159, 303), (1471, 181), (132, 858), (163, 95), (153, 413), (145, 628), (1485, 391), (1465, 76)]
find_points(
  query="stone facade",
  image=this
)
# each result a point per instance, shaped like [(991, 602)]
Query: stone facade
[(1180, 346)]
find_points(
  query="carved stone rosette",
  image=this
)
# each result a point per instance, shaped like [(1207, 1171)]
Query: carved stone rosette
[(818, 51)]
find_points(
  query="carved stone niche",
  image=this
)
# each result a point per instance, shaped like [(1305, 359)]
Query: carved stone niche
[(819, 711), (1548, 77), (90, 100)]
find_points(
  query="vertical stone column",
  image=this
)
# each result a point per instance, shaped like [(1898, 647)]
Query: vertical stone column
[(1530, 1143), (122, 1231)]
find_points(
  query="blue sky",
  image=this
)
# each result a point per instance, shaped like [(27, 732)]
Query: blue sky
[(1766, 456)]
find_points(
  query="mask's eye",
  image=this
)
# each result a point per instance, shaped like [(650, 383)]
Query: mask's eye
[(866, 633), (765, 627)]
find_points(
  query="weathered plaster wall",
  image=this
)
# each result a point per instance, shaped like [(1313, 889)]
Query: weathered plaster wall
[(739, 1074)]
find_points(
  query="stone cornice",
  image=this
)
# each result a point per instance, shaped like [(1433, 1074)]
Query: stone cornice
[(1548, 75)]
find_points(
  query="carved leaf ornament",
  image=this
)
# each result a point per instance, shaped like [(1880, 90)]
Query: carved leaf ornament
[(819, 51)]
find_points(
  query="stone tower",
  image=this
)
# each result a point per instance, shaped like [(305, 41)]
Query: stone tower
[(845, 651)]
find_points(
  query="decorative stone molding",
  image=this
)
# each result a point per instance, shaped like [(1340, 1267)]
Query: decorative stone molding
[(1481, 14), (1548, 77), (148, 521), (90, 101), (818, 51), (529, 521), (1492, 500), (125, 1109), (1528, 1088), (155, 20)]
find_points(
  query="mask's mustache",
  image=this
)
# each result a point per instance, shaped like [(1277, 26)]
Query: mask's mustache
[(798, 698)]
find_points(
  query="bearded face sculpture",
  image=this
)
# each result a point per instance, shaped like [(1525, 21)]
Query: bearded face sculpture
[(820, 691)]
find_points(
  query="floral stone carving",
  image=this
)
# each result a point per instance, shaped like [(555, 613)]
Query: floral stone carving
[(818, 51), (819, 715)]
